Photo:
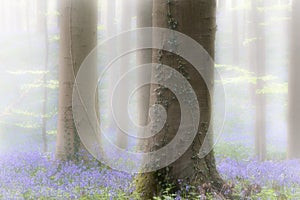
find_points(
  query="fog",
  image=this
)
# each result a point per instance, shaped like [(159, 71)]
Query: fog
[(254, 55)]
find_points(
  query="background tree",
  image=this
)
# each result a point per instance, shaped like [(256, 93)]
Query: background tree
[(126, 24), (144, 56), (258, 64), (197, 20), (42, 27), (110, 30), (235, 33), (221, 4), (41, 9), (294, 91), (78, 37)]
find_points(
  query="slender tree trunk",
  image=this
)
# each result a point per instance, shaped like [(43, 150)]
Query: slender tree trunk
[(5, 16), (111, 17), (244, 22), (10, 18), (257, 65), (235, 33), (221, 5), (77, 38), (13, 18), (2, 15), (294, 90), (111, 30), (144, 19), (196, 19), (58, 9), (259, 69), (122, 139), (43, 15), (28, 14)]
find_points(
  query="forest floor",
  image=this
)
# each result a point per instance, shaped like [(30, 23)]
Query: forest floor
[(33, 175)]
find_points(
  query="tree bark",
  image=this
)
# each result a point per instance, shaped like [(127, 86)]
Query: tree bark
[(196, 19), (77, 38), (294, 91)]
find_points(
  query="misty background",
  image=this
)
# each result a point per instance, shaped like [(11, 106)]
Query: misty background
[(253, 56)]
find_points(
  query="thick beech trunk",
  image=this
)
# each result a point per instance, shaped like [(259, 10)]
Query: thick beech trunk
[(196, 19)]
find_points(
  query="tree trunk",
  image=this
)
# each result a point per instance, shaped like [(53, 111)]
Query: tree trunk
[(259, 69), (196, 19), (77, 38), (256, 60), (294, 91), (41, 6), (126, 11), (144, 56), (44, 121), (235, 33), (221, 5), (111, 30), (2, 16)]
